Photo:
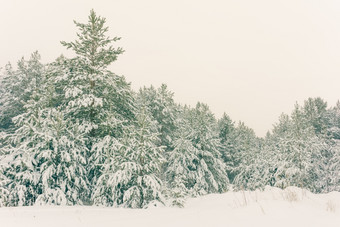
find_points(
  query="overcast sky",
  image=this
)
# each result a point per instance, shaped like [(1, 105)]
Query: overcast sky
[(252, 59)]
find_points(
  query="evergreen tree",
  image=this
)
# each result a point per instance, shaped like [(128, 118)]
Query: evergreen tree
[(95, 98), (92, 90), (227, 134), (296, 152), (131, 175), (180, 169), (333, 174), (61, 162), (315, 111), (203, 159), (248, 163), (18, 162), (16, 88), (163, 109), (329, 165), (43, 160)]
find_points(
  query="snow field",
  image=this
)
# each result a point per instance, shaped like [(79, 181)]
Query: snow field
[(271, 207)]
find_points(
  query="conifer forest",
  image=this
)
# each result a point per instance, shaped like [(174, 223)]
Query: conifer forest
[(74, 133)]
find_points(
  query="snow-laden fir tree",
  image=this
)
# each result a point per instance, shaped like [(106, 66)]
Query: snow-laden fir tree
[(131, 173)]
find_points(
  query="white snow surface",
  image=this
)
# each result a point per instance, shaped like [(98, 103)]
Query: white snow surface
[(271, 207)]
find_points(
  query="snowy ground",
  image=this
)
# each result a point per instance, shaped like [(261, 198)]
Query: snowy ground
[(273, 207)]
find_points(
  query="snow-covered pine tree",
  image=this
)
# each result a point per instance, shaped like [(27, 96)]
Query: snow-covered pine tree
[(107, 189), (3, 190), (334, 130), (3, 179), (43, 159), (295, 151), (161, 105), (180, 171), (93, 93), (333, 116), (226, 129), (61, 162), (315, 110), (317, 116), (329, 165), (99, 100), (16, 89), (333, 183), (18, 163), (131, 175), (207, 170), (7, 97), (248, 160)]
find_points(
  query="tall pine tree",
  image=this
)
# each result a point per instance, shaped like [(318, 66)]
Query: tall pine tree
[(100, 101)]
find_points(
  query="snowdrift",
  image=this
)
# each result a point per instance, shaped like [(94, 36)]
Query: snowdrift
[(271, 207)]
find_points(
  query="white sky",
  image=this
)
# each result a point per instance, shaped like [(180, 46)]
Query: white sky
[(250, 59)]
